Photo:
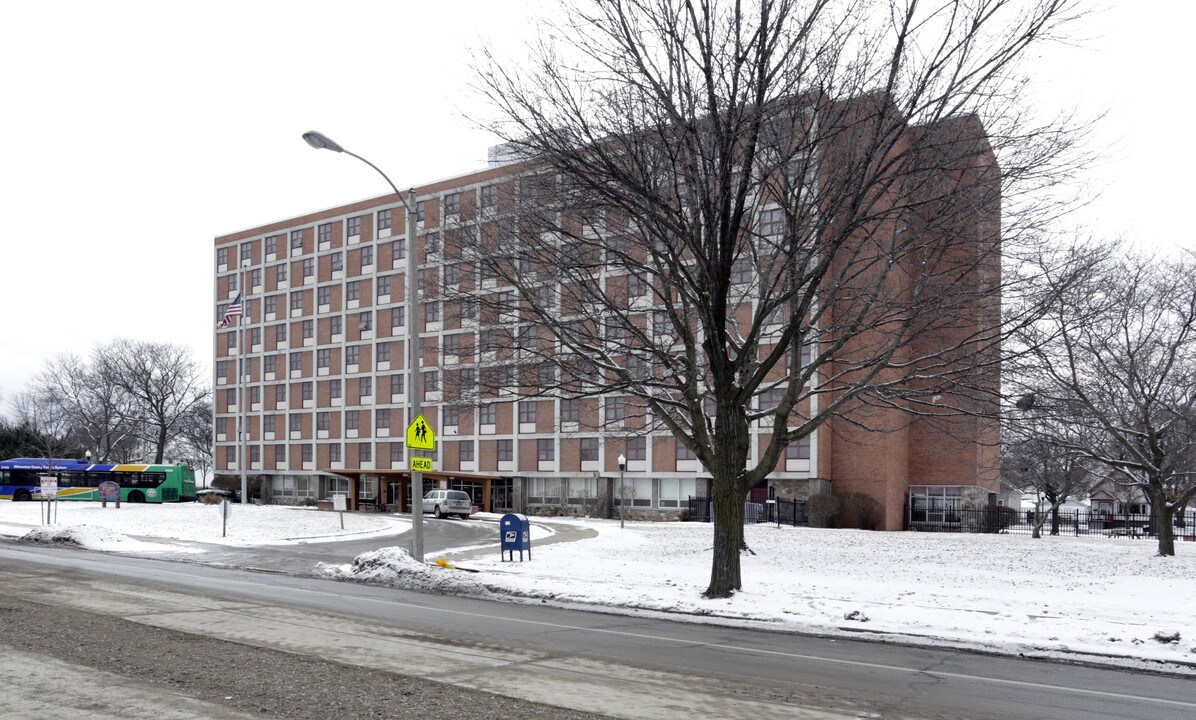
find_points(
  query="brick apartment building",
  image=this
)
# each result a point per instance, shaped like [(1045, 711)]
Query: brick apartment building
[(325, 395)]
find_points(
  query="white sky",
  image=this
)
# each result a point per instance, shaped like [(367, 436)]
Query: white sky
[(138, 131)]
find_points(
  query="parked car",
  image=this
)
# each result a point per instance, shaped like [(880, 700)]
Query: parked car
[(443, 503)]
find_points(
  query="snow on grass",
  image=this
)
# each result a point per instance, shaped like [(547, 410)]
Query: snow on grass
[(247, 524)]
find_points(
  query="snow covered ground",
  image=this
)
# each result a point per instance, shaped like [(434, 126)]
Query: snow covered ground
[(1104, 599)]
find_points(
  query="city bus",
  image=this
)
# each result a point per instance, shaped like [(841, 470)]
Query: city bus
[(20, 479)]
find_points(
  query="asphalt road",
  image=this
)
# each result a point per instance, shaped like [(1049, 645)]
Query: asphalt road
[(631, 667)]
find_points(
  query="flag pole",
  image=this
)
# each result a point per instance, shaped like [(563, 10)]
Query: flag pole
[(242, 400)]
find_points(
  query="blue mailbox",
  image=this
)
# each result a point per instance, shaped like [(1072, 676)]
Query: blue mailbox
[(515, 534)]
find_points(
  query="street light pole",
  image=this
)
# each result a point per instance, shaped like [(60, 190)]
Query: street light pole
[(414, 385), (622, 491)]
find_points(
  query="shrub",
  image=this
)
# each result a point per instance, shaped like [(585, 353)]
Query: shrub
[(859, 512), (999, 518), (822, 509)]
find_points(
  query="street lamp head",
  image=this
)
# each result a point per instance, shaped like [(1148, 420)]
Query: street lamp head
[(320, 141), (622, 462)]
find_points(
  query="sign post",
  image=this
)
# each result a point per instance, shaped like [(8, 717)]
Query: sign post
[(226, 509), (339, 503), (109, 490), (49, 489), (420, 436)]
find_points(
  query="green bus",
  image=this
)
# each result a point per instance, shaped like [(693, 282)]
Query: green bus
[(20, 479)]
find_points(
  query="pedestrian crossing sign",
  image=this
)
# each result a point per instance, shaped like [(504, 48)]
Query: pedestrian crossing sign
[(420, 435)]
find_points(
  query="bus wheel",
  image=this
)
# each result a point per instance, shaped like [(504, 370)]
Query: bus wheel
[(20, 496), (136, 497)]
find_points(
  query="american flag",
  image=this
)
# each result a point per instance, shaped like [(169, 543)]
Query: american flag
[(233, 311)]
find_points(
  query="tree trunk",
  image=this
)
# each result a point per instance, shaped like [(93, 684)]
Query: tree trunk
[(728, 539), (1165, 527), (1055, 520)]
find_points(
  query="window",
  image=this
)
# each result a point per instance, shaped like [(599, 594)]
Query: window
[(504, 451), (334, 452), (280, 394), (489, 195), (246, 251), (305, 452), (270, 363), (431, 243), (280, 273), (771, 398), (324, 295), (382, 420), (324, 233), (305, 390), (295, 422), (421, 211), (271, 306), (365, 321), (297, 300), (353, 290), (385, 218), (488, 414), (772, 221), (452, 204), (367, 256), (365, 454), (432, 311), (267, 423), (255, 277), (334, 325), (798, 449), (230, 396), (365, 387), (675, 491), (232, 281), (398, 250), (272, 245), (222, 256), (683, 452), (383, 352), (589, 449), (353, 226), (396, 384), (396, 452), (527, 411), (570, 410), (296, 361), (309, 329), (280, 454), (741, 271), (338, 261), (334, 388), (280, 333), (450, 416), (616, 409), (383, 285), (353, 355), (452, 276), (296, 239), (545, 450), (452, 346), (637, 286), (637, 448), (465, 451), (322, 421), (398, 317), (431, 381), (309, 267), (351, 419)]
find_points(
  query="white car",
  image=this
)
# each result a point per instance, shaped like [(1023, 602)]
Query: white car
[(443, 503)]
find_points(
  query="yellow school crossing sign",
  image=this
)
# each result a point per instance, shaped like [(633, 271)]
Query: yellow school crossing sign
[(420, 435)]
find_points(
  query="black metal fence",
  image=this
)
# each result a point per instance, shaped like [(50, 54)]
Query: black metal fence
[(787, 512), (1073, 523)]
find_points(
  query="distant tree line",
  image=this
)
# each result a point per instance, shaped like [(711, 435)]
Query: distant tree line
[(127, 401)]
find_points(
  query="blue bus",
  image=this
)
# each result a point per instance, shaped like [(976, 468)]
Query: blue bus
[(20, 480)]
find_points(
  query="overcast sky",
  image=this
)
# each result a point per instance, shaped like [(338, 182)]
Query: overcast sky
[(136, 132)]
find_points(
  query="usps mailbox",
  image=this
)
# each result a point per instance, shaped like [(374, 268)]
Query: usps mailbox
[(516, 534)]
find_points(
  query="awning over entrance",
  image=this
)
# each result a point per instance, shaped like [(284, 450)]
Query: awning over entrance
[(393, 488)]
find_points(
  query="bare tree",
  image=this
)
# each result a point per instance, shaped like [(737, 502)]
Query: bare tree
[(1112, 369), (51, 434), (194, 440), (162, 382), (776, 213), (1054, 473), (97, 410)]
